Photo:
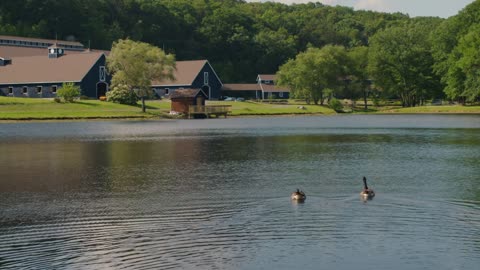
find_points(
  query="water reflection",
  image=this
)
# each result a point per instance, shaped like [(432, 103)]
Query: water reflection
[(203, 197)]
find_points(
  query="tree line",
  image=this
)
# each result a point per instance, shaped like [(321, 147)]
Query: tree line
[(414, 59)]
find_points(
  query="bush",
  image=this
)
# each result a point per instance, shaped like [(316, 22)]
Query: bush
[(122, 94), (57, 99), (68, 92), (336, 105)]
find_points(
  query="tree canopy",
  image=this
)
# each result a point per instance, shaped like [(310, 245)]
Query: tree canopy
[(137, 64)]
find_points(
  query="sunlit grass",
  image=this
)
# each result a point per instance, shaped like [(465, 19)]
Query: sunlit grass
[(454, 109), (29, 108), (256, 108)]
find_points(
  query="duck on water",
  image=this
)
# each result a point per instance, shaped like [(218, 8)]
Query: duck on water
[(299, 196), (366, 192)]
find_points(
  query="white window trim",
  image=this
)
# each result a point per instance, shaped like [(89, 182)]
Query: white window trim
[(280, 94), (41, 89), (10, 90), (56, 88), (167, 91)]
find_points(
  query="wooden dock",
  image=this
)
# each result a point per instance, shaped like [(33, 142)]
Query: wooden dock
[(209, 111)]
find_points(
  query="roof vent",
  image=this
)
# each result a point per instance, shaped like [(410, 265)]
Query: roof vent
[(55, 51)]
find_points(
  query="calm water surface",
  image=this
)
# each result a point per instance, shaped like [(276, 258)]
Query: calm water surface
[(214, 194)]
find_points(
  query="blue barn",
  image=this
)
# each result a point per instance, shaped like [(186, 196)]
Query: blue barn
[(197, 74)]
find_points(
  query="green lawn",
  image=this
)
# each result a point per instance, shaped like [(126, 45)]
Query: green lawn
[(30, 108), (453, 109), (256, 108), (42, 109)]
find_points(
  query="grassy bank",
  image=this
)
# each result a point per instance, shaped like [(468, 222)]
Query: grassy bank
[(256, 108), (43, 109), (450, 109), (39, 109)]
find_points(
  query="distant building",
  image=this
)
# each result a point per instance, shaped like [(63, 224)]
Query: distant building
[(38, 67), (265, 88), (197, 74)]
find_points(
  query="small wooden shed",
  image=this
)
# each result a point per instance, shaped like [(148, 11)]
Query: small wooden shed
[(183, 98)]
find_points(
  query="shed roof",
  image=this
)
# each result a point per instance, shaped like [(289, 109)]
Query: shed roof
[(41, 69), (186, 93)]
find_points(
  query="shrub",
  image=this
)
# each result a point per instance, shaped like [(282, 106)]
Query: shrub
[(57, 99), (335, 104), (122, 94), (68, 91)]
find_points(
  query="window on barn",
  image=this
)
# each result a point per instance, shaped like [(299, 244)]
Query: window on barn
[(25, 90), (205, 78), (39, 89), (167, 91), (54, 89), (10, 90), (280, 94)]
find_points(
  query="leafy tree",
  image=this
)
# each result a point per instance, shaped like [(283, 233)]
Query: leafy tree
[(314, 71), (68, 91), (137, 64), (400, 62), (358, 75), (456, 54)]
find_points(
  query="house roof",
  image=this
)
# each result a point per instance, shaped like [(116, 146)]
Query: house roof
[(41, 69), (186, 93), (273, 88), (41, 40), (266, 77), (185, 73), (241, 87)]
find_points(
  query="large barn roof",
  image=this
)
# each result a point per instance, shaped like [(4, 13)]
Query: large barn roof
[(4, 38), (41, 69), (185, 73)]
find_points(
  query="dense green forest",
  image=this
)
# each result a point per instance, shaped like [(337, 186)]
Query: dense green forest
[(428, 57)]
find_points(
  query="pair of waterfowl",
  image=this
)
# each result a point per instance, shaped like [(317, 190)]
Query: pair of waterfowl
[(366, 193)]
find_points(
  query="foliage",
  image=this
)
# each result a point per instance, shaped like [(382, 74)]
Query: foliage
[(400, 62), (136, 64), (122, 94), (240, 38), (456, 54), (335, 104), (313, 71), (68, 92)]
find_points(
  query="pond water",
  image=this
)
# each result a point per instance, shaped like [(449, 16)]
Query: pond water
[(214, 194)]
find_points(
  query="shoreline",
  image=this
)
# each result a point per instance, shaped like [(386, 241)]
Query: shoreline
[(156, 118)]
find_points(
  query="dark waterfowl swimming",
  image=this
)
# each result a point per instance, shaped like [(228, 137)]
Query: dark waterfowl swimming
[(366, 192), (298, 196)]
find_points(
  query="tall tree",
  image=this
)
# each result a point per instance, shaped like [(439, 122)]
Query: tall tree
[(455, 49), (400, 62), (137, 64), (359, 78), (315, 71)]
